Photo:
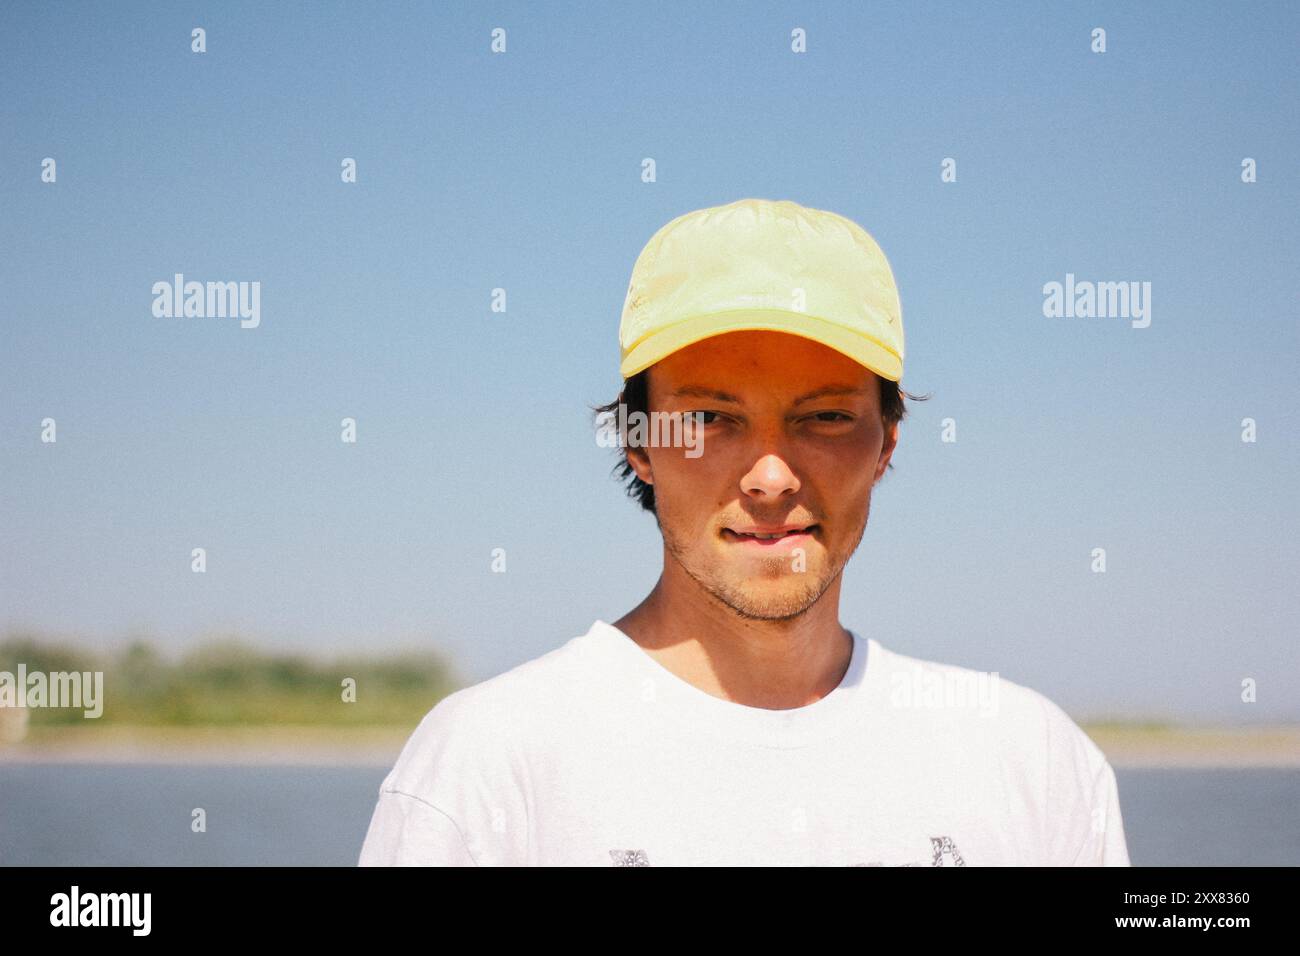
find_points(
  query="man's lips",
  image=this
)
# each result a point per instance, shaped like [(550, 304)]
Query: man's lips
[(788, 536)]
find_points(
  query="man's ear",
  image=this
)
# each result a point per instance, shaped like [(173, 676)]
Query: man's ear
[(887, 450), (640, 462)]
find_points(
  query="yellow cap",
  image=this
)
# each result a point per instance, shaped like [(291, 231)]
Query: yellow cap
[(763, 264)]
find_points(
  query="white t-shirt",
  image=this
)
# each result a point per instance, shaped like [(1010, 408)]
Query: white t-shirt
[(595, 754)]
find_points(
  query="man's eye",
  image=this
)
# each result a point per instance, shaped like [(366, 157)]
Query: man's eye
[(842, 416), (700, 417)]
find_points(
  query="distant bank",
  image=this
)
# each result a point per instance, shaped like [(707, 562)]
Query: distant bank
[(1125, 745)]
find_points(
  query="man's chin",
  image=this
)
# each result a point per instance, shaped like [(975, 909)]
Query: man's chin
[(780, 601)]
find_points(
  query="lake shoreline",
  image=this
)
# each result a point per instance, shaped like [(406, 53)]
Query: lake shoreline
[(1125, 746)]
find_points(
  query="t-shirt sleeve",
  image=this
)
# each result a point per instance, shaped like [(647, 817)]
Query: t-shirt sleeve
[(407, 831), (1086, 826), (458, 793), (1105, 844)]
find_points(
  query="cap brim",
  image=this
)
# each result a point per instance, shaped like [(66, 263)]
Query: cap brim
[(863, 350)]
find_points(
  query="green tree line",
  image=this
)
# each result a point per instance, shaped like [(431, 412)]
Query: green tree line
[(229, 681)]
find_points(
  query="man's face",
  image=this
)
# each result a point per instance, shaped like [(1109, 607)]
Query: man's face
[(769, 461)]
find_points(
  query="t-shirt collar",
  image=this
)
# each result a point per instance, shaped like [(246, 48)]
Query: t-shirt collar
[(665, 694)]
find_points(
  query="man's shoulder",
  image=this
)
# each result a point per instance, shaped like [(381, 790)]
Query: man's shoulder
[(486, 724), (535, 678), (1020, 717), (1011, 745)]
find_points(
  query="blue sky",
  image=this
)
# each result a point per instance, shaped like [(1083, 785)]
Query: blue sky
[(522, 171)]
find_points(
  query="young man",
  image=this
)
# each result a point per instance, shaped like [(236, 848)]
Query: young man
[(730, 719)]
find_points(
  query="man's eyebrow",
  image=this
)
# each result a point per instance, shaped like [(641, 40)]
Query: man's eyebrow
[(830, 390), (701, 391)]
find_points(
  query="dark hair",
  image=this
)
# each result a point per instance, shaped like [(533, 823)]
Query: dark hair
[(635, 395)]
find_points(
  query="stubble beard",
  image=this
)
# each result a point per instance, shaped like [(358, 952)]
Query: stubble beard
[(744, 601)]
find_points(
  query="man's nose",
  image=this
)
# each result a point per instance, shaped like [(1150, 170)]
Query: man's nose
[(770, 477)]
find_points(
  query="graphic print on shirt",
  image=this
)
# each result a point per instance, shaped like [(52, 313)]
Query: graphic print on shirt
[(939, 846), (942, 845), (629, 857)]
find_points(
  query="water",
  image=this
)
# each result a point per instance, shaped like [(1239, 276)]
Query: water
[(139, 815)]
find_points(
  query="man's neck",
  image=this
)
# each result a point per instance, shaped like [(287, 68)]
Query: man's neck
[(773, 664)]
